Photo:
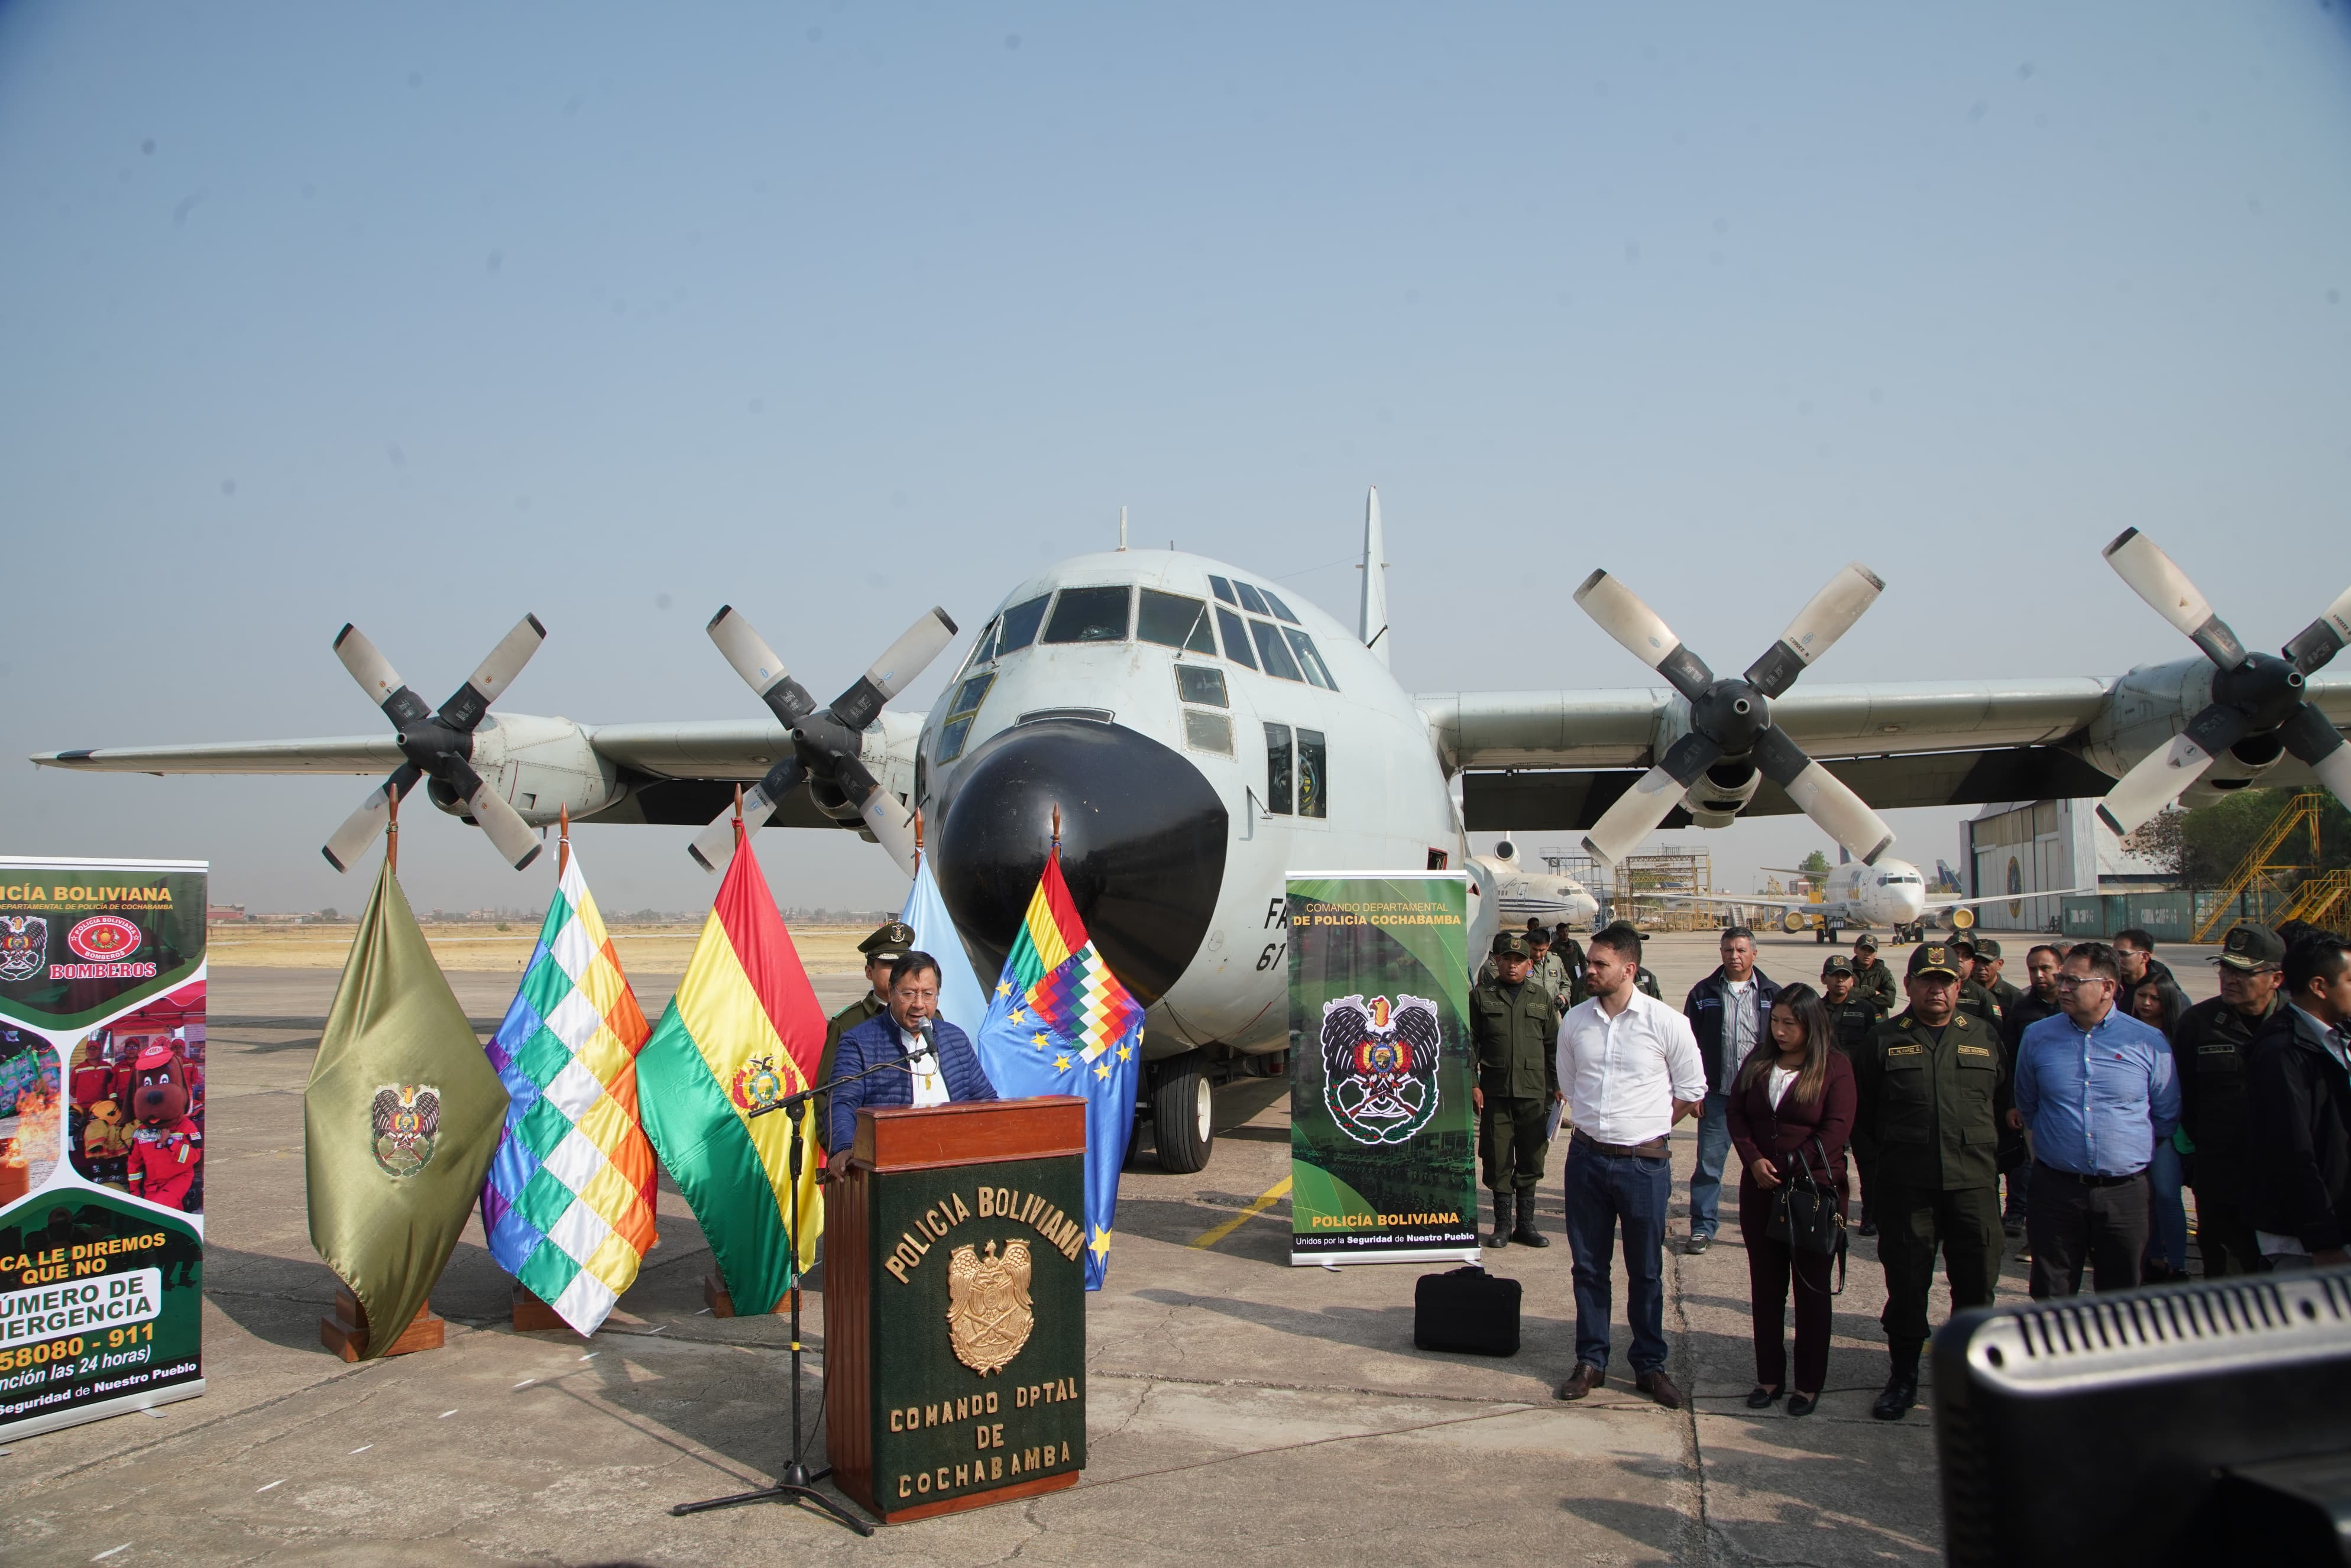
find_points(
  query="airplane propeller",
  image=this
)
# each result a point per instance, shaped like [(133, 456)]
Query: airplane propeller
[(2254, 695), (438, 744), (1731, 719), (825, 740)]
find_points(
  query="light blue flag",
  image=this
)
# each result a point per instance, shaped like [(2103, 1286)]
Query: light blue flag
[(960, 995)]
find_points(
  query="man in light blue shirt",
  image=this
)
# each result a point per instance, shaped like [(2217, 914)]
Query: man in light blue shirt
[(2097, 1088)]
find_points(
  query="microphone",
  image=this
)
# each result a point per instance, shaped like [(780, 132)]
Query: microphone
[(930, 1046)]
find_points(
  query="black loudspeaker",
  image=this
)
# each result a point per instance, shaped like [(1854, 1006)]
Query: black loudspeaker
[(1467, 1311), (2174, 1427)]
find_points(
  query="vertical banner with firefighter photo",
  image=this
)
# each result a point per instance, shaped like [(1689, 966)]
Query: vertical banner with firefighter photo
[(1382, 1137), (101, 1138)]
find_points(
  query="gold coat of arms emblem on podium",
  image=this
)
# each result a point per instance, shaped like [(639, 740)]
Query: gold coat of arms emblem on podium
[(989, 1315)]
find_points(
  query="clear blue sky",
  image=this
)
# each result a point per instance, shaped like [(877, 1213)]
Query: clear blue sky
[(423, 317)]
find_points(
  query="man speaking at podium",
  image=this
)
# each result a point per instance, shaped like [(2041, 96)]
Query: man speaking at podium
[(942, 1069)]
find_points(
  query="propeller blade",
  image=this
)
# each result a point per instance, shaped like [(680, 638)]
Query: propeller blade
[(1644, 635), (469, 702), (2315, 741), (359, 828), (1816, 628), (2323, 638), (1633, 816), (2153, 783), (712, 847), (1823, 797), (761, 670), (893, 825), (378, 678), (513, 837), (899, 664), (2153, 577)]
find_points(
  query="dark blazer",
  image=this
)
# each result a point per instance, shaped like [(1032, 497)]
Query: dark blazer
[(2300, 1103), (877, 1041), (1703, 1011), (1760, 1130)]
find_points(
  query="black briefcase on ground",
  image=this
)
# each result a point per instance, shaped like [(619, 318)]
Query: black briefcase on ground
[(1466, 1310)]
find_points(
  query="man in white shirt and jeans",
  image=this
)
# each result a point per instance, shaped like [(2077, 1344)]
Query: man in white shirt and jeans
[(1629, 1066)]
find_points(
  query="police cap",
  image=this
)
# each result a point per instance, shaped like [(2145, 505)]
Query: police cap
[(2251, 946), (1933, 958), (889, 942), (1866, 940), (1986, 948), (1511, 945), (1840, 965)]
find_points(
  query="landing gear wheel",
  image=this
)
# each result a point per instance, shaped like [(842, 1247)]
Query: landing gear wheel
[(1181, 1109)]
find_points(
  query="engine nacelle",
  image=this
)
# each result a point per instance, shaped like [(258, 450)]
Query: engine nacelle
[(1721, 793), (541, 766), (1960, 917), (1792, 921)]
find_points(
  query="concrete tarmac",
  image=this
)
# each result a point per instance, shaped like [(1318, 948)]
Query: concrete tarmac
[(1241, 1410)]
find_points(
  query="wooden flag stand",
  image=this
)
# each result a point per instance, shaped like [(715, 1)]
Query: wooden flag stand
[(345, 1330)]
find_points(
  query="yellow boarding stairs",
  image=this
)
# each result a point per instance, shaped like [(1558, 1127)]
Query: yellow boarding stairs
[(2256, 880)]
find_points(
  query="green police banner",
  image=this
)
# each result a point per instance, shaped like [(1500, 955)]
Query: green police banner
[(101, 1138), (1382, 1137)]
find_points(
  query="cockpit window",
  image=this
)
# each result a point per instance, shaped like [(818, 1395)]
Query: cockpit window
[(1201, 684), (960, 714), (985, 649), (1090, 615), (1020, 624), (1275, 652), (1237, 643), (1280, 609), (1309, 656), (1251, 599), (1172, 621), (1222, 590)]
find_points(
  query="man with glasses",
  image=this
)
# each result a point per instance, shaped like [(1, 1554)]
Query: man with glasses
[(2097, 1088), (2212, 1051)]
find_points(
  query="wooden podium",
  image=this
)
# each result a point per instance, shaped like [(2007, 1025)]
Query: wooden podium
[(955, 1306)]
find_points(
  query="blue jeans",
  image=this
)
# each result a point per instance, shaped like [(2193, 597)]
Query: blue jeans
[(2167, 1240), (1713, 1148), (1602, 1190)]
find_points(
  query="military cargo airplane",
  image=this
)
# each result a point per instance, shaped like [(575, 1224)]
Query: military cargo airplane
[(1202, 735)]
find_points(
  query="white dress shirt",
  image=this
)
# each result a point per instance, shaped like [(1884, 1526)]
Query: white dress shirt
[(1621, 1075), (930, 1083)]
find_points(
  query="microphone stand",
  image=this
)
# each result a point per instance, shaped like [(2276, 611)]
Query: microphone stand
[(795, 1482)]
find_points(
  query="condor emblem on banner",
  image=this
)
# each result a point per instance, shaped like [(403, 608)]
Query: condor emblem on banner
[(1379, 1066), (24, 946), (989, 1315), (407, 1118)]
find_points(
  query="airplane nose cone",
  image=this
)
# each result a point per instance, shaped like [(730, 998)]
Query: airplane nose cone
[(1142, 844)]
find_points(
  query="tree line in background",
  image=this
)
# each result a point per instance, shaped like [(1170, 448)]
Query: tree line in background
[(2200, 848)]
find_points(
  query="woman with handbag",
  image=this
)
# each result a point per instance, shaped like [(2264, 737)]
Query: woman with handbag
[(1792, 1112)]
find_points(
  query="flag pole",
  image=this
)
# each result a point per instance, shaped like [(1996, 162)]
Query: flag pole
[(562, 843), (739, 816), (1057, 825), (392, 836)]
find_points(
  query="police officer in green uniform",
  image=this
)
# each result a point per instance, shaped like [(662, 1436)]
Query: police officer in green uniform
[(1932, 1091), (1514, 1029), (1871, 975), (2212, 1048), (1986, 974), (888, 943), (1973, 998), (1855, 1019), (1568, 951)]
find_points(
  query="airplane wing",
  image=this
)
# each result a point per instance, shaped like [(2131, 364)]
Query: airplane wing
[(1935, 905)]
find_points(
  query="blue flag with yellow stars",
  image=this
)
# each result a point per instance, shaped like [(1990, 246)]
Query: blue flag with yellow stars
[(1059, 1022)]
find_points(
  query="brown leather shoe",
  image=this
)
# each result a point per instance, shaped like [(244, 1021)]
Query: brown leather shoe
[(1581, 1381), (1659, 1387)]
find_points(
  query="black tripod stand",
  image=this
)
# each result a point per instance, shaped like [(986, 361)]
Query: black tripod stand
[(795, 1482)]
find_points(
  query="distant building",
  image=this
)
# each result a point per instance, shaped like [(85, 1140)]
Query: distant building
[(225, 914), (2035, 846)]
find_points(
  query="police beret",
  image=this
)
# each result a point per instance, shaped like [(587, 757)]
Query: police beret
[(1511, 945), (2251, 947), (889, 943), (1840, 965), (1986, 948), (1933, 958)]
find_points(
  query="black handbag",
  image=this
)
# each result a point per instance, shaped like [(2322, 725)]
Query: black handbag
[(1804, 1213)]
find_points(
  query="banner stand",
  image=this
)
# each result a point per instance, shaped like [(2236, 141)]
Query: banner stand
[(1383, 1136)]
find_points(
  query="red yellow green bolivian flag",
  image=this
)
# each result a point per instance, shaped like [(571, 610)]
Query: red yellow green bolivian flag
[(743, 1032)]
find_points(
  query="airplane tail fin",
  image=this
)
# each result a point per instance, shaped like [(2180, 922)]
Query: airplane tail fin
[(1372, 621)]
